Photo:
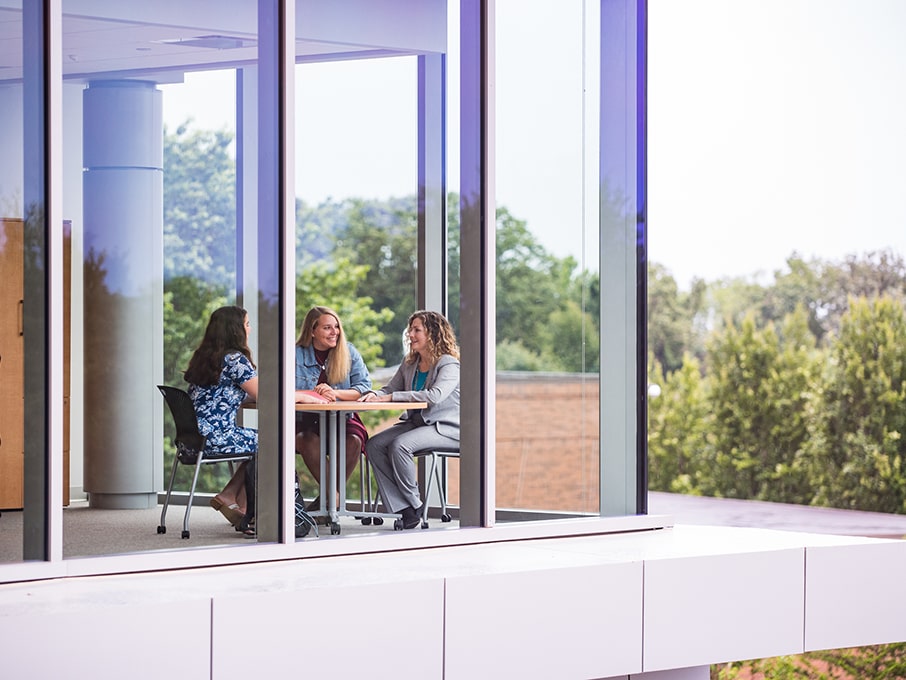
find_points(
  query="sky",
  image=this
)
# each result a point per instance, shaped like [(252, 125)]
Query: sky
[(774, 126)]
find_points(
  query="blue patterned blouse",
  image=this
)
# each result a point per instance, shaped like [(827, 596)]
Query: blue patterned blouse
[(216, 407)]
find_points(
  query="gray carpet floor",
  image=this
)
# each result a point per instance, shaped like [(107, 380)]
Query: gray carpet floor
[(91, 531)]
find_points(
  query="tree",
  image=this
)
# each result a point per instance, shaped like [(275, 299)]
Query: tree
[(678, 422), (337, 286), (200, 206), (856, 451), (759, 391), (671, 318), (188, 304), (531, 285), (383, 236)]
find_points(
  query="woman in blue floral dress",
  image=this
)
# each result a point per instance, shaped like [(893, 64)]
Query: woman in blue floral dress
[(221, 375)]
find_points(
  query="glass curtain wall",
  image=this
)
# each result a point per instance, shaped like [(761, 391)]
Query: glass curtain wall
[(171, 157)]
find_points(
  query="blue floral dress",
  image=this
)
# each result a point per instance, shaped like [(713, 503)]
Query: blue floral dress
[(216, 407)]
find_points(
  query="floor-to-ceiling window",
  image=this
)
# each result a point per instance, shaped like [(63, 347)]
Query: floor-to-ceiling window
[(275, 156), (151, 185)]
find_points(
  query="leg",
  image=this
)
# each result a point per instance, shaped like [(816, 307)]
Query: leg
[(251, 481), (353, 451), (378, 451), (308, 445), (231, 491), (231, 501), (401, 457)]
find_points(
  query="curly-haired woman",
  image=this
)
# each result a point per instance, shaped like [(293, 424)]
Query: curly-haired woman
[(429, 373)]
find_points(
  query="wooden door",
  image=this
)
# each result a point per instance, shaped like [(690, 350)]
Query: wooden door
[(12, 363)]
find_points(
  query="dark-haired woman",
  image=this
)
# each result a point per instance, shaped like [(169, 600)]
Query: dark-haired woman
[(222, 375), (429, 373)]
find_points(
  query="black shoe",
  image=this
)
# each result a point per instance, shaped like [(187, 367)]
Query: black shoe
[(411, 517)]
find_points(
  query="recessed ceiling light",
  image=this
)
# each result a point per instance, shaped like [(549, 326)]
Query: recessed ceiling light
[(213, 42)]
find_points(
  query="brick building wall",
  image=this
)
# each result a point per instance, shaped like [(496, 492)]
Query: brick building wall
[(547, 443)]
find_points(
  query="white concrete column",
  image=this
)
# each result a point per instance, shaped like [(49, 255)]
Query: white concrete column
[(123, 292)]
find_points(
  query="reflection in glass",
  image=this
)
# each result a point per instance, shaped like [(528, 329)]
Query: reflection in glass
[(12, 291), (547, 262), (152, 196)]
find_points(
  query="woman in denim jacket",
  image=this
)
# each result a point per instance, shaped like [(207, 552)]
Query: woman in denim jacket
[(329, 365)]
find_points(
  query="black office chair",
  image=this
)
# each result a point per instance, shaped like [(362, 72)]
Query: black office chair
[(190, 450)]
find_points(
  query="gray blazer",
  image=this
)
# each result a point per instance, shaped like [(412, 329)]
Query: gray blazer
[(441, 393)]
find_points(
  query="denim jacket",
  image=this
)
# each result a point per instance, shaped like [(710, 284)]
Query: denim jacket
[(308, 370)]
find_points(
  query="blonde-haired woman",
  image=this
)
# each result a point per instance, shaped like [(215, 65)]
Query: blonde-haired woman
[(329, 365), (429, 373)]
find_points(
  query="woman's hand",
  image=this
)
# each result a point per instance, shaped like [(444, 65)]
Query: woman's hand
[(306, 397), (371, 396), (326, 391)]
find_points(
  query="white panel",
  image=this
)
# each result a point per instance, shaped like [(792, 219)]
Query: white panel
[(689, 602), (138, 641), (372, 631), (855, 595), (582, 622)]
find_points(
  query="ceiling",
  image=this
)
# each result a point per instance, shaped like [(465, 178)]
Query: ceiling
[(211, 35)]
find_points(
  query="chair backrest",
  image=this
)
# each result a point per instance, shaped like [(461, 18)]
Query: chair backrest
[(189, 441)]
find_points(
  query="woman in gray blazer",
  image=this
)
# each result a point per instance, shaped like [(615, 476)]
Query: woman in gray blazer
[(428, 373)]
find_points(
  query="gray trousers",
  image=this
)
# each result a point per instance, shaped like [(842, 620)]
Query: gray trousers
[(390, 454)]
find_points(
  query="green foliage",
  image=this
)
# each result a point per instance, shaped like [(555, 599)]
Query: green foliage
[(856, 452), (337, 286), (807, 407), (671, 318), (532, 285), (513, 356), (678, 422), (382, 236), (200, 205)]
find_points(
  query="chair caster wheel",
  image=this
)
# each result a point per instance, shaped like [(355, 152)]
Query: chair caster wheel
[(378, 521), (185, 534), (446, 518), (397, 525), (334, 529), (161, 529), (366, 521)]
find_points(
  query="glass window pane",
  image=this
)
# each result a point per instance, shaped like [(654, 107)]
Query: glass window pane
[(150, 188), (12, 253), (547, 261)]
